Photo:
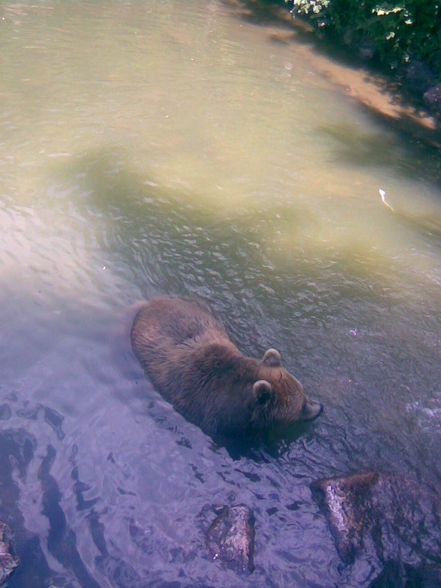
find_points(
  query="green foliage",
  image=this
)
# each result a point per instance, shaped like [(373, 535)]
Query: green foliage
[(397, 31)]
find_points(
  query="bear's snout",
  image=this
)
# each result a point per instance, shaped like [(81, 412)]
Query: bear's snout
[(311, 410)]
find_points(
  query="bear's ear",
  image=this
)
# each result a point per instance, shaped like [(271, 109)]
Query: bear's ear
[(272, 358), (262, 391)]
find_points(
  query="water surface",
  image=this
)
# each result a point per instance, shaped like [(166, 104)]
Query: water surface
[(173, 148)]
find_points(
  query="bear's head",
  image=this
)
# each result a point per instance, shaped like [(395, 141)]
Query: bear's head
[(278, 396)]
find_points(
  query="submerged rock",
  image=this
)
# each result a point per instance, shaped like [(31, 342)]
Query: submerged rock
[(345, 503), (8, 562), (230, 537), (392, 518)]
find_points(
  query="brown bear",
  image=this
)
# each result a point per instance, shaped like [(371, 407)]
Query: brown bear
[(190, 359)]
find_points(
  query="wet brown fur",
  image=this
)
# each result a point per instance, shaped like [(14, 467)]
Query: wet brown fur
[(190, 359)]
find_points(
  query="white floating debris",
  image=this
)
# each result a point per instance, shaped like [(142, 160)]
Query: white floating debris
[(353, 332), (383, 198), (61, 154)]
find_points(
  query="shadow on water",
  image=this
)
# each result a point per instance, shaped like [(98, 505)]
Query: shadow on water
[(363, 149), (270, 445), (260, 12), (370, 149), (150, 225), (165, 241), (181, 243)]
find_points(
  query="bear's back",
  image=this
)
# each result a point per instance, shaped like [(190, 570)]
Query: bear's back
[(191, 361), (166, 331), (179, 322)]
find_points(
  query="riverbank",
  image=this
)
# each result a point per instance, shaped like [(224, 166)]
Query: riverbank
[(383, 95), (403, 39)]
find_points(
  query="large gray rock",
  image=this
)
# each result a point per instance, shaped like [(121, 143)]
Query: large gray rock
[(345, 502), (8, 562), (230, 537), (391, 517)]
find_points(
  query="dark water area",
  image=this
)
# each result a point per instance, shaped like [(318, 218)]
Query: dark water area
[(158, 149)]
